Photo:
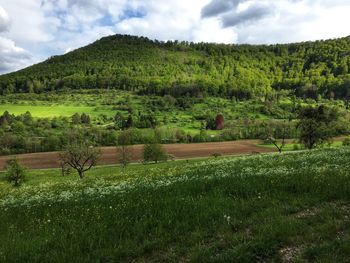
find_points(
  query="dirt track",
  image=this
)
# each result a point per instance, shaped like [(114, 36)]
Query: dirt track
[(180, 151)]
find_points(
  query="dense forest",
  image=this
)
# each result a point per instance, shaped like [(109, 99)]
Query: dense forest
[(308, 70)]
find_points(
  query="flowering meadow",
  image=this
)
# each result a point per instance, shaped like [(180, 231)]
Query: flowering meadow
[(292, 207)]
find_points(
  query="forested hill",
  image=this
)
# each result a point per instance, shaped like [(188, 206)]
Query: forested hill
[(309, 69)]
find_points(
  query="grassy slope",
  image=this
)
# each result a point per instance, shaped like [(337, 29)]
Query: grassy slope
[(279, 206)]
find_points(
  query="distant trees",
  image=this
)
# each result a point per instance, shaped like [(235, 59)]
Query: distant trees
[(80, 156), (154, 152), (85, 119), (78, 119), (317, 125), (308, 69), (15, 172)]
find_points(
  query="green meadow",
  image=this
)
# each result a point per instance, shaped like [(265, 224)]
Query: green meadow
[(291, 207), (50, 111)]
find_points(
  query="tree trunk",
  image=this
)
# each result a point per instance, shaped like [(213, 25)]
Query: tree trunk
[(81, 174)]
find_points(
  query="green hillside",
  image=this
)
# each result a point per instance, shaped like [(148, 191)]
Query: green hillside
[(180, 69)]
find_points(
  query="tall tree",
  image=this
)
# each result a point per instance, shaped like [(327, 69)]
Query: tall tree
[(317, 125)]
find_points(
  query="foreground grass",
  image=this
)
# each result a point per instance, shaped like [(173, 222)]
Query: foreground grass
[(274, 208)]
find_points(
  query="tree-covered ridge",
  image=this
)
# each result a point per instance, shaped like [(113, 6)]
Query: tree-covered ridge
[(309, 69)]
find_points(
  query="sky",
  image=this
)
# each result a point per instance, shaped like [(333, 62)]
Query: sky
[(33, 30)]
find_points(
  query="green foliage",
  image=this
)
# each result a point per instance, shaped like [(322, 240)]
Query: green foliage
[(100, 115), (154, 152), (15, 172), (346, 142), (317, 125), (186, 69)]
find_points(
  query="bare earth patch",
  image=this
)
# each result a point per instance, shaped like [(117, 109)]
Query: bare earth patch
[(289, 254), (307, 213), (313, 211)]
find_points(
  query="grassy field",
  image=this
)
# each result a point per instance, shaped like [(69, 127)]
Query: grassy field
[(292, 207), (49, 111), (295, 146)]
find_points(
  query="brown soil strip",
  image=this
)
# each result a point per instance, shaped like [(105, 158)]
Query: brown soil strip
[(180, 151)]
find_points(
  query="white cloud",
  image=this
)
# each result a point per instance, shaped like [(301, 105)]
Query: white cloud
[(11, 56), (4, 20), (32, 30), (295, 21), (176, 19)]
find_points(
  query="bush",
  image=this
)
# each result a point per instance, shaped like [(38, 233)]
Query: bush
[(346, 142), (230, 135), (15, 172), (154, 152), (216, 155)]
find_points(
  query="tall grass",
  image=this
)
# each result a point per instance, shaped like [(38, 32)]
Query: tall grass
[(247, 209)]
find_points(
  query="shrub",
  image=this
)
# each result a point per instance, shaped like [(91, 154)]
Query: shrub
[(154, 152), (230, 135), (346, 142), (296, 147), (216, 155), (15, 172)]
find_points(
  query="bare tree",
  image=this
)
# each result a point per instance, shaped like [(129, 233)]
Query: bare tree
[(124, 148), (278, 145), (81, 157), (65, 168), (125, 155)]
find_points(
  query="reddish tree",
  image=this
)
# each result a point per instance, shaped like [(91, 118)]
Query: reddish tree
[(219, 122)]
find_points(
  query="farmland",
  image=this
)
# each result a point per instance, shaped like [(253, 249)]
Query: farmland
[(282, 207), (110, 155)]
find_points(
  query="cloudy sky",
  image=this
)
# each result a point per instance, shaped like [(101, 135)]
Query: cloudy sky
[(32, 30)]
